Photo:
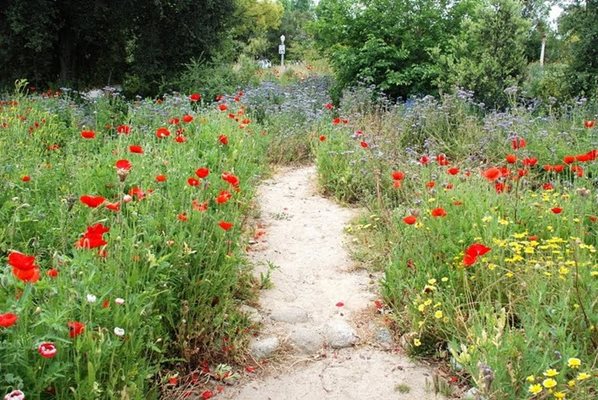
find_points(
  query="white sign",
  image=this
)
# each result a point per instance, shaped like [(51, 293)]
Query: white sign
[(281, 49)]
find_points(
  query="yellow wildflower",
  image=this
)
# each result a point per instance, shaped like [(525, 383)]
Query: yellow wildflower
[(535, 389), (549, 383), (582, 376), (531, 379), (559, 395), (551, 372), (573, 362), (438, 314), (417, 342)]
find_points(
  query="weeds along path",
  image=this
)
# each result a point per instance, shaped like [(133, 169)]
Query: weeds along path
[(321, 329)]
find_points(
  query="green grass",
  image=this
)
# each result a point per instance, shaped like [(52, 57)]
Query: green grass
[(528, 305), (181, 276)]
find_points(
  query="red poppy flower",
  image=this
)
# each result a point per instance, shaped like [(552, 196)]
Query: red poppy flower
[(52, 273), (577, 170), (558, 168), (193, 182), (21, 261), (322, 138), (329, 106), (174, 121), (195, 97), (8, 319), (396, 184), (47, 350), (92, 201), (593, 218), (161, 178), (492, 174), (126, 129), (75, 328), (473, 252), (556, 210), (136, 149), (424, 160), (162, 133), (592, 154), (530, 161), (398, 175), (93, 237), (364, 144), (441, 159), (222, 107), (182, 217), (518, 143), (26, 178), (225, 225), (589, 123), (569, 159), (223, 197), (207, 394), (223, 139), (202, 172), (137, 192), (230, 178), (457, 203), (113, 206), (430, 184), (180, 139), (438, 212), (583, 157), (547, 186), (453, 171), (88, 134), (26, 275), (197, 206), (187, 118), (511, 158), (336, 121), (124, 164), (500, 187), (410, 220)]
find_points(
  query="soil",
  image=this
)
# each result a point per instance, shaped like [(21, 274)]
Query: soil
[(323, 335)]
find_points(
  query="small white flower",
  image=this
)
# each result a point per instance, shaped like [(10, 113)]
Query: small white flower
[(119, 301), (15, 395), (119, 331), (91, 298), (127, 198)]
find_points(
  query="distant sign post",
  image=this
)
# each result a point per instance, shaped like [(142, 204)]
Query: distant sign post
[(281, 50)]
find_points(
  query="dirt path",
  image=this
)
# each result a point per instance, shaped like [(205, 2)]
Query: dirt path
[(319, 318)]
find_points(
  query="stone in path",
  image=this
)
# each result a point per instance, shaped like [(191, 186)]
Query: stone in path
[(313, 316)]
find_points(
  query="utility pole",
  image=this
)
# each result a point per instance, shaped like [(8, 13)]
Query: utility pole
[(542, 49), (281, 50)]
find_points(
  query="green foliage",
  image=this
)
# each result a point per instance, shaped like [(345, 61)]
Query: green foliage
[(525, 307), (581, 30), (389, 43), (99, 43), (547, 83), (488, 54), (179, 274)]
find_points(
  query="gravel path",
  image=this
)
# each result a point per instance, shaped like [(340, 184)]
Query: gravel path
[(320, 324)]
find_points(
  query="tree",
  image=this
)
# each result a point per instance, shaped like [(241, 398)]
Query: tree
[(104, 41), (580, 27), (391, 43), (488, 56)]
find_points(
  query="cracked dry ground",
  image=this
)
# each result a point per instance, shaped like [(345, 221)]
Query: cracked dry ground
[(319, 322)]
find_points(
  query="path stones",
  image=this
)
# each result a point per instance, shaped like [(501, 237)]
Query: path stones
[(253, 314), (291, 315), (263, 347), (306, 340), (340, 334)]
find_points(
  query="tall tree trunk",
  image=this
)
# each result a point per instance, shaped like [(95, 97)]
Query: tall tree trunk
[(542, 49)]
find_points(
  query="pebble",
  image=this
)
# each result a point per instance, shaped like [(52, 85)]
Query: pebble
[(306, 340), (264, 347), (340, 334), (291, 315)]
